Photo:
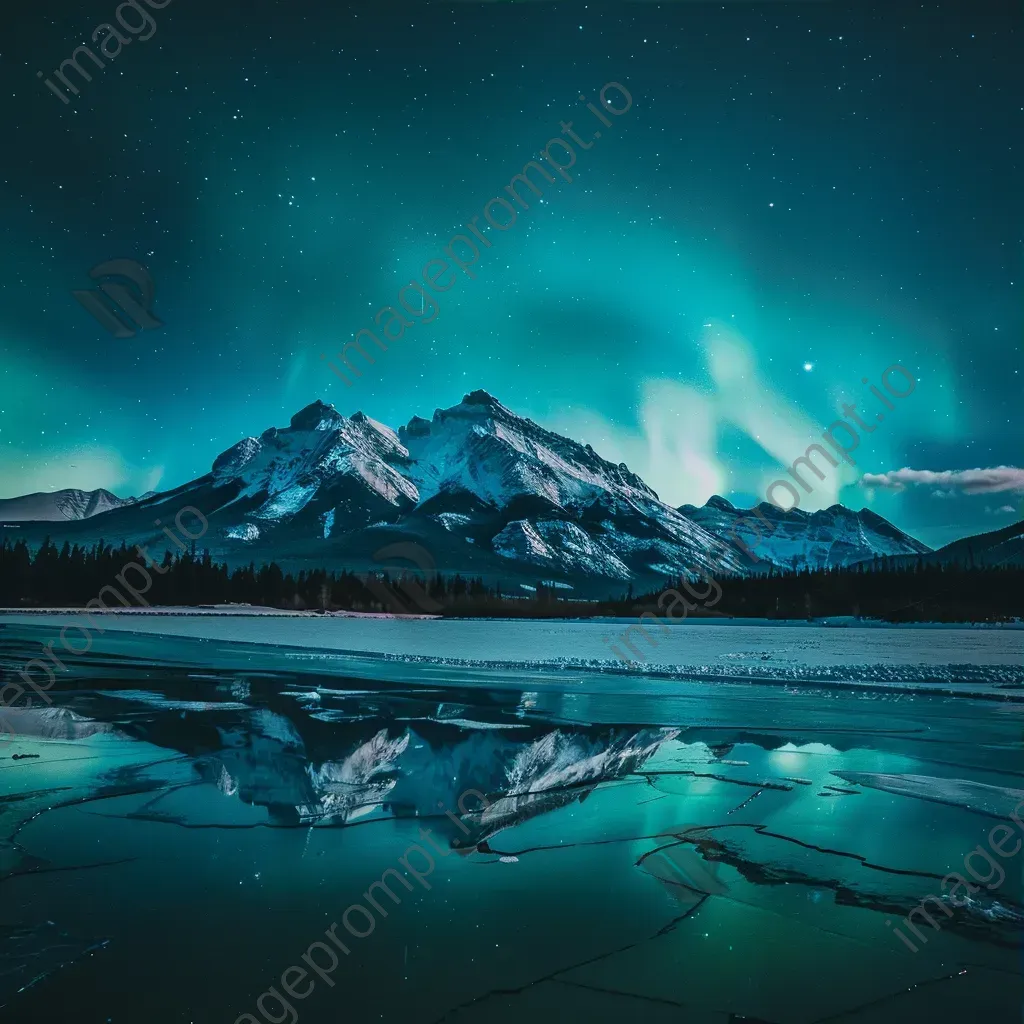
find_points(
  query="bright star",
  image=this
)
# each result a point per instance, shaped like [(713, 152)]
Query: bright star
[(808, 367)]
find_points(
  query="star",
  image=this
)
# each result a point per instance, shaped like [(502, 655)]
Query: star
[(808, 367)]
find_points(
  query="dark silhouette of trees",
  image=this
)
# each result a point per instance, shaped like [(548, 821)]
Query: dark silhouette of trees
[(73, 576), (882, 589), (897, 591)]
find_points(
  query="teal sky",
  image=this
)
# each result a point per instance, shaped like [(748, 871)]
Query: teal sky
[(801, 196)]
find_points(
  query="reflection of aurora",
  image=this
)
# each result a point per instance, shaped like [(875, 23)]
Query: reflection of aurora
[(734, 814)]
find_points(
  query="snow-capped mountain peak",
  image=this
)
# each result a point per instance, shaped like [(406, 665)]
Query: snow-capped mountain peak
[(235, 459), (796, 539), (484, 490), (317, 416), (483, 448), (60, 506), (319, 455)]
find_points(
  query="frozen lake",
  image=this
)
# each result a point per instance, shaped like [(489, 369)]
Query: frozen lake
[(208, 798), (689, 643), (956, 659)]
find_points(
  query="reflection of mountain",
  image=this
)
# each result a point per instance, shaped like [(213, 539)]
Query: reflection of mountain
[(265, 763), (262, 762), (304, 770), (45, 723), (357, 785), (559, 768)]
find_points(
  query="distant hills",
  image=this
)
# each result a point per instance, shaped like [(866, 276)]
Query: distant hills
[(486, 492), (59, 506), (835, 536), (1004, 547)]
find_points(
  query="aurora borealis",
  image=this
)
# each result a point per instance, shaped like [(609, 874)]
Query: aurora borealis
[(802, 195)]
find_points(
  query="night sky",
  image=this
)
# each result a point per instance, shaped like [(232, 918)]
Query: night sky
[(801, 195)]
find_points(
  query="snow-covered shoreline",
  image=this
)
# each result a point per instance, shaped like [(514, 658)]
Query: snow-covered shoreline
[(250, 611), (948, 660)]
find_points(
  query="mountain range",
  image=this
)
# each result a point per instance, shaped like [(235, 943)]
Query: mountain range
[(486, 492), (60, 506)]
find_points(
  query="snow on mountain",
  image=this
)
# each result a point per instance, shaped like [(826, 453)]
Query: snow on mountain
[(559, 769), (558, 545), (796, 539), (287, 469), (520, 494), (481, 447), (60, 506), (484, 490), (358, 784), (302, 773), (589, 515)]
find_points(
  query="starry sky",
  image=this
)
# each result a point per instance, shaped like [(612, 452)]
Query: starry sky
[(801, 195)]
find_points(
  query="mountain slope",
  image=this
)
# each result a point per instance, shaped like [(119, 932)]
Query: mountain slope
[(545, 500), (321, 467), (486, 492), (1003, 547), (483, 448), (59, 506), (796, 539)]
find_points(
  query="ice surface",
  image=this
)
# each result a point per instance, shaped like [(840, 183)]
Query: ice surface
[(741, 643), (158, 700), (947, 661), (614, 871), (994, 801)]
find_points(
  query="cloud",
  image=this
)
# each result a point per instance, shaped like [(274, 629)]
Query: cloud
[(948, 482)]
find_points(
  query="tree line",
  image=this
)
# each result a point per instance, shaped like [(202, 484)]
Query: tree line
[(72, 576), (881, 589)]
